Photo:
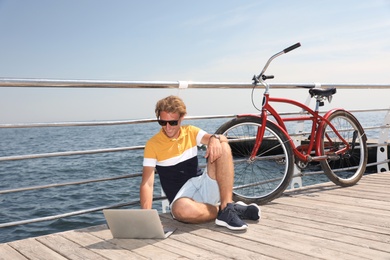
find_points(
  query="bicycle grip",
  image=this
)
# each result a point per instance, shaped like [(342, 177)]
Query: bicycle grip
[(292, 47)]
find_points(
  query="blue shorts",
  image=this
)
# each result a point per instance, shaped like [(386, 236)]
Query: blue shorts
[(201, 189)]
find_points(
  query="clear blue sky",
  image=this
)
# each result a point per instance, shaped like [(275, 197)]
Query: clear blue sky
[(343, 41)]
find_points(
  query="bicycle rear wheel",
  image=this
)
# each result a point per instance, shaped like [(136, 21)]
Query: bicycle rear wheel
[(347, 168), (265, 177)]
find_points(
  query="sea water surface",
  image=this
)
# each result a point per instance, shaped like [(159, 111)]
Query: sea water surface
[(52, 201)]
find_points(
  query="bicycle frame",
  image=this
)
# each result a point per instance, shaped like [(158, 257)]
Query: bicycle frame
[(318, 122)]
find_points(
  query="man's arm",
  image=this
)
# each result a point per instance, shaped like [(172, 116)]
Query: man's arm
[(146, 187)]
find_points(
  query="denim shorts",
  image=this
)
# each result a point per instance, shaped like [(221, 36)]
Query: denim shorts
[(201, 189)]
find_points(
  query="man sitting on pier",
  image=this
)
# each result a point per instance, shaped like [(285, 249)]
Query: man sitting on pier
[(194, 196)]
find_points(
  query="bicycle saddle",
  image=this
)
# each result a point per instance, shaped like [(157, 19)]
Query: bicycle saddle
[(322, 92)]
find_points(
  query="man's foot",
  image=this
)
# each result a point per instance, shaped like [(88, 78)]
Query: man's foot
[(228, 218), (244, 211)]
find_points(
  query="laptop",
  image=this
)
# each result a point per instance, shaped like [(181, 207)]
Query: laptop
[(136, 223)]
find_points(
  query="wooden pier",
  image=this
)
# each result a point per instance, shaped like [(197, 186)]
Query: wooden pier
[(317, 222)]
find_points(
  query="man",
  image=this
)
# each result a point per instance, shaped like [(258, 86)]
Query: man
[(194, 197)]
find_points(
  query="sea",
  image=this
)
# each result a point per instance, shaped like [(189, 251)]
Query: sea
[(18, 206)]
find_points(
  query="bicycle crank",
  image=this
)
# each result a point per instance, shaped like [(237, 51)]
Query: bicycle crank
[(332, 157)]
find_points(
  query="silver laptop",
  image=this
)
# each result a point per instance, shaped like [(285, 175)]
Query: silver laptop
[(136, 223)]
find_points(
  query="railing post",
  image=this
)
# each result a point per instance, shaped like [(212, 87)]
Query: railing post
[(296, 181), (164, 203), (381, 153)]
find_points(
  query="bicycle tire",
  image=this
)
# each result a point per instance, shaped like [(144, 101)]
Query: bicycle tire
[(348, 168), (268, 175)]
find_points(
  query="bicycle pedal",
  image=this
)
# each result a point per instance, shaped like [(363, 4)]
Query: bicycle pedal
[(333, 157)]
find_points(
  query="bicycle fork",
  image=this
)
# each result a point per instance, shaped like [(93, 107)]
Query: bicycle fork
[(259, 135)]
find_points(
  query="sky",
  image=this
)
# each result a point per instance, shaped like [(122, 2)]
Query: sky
[(343, 41)]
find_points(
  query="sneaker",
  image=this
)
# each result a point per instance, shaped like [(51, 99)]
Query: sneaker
[(244, 211), (229, 218)]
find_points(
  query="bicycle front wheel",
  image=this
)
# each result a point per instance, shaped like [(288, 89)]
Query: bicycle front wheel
[(265, 177), (346, 168)]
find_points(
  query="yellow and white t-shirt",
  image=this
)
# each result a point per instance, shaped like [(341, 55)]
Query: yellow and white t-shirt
[(175, 160)]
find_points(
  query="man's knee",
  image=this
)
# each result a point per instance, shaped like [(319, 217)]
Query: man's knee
[(180, 209), (226, 151), (226, 147)]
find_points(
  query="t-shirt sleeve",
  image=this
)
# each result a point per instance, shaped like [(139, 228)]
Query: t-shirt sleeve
[(150, 158), (199, 133)]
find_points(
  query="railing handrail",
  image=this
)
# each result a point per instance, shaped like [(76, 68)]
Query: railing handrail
[(64, 83), (69, 153), (74, 213), (103, 123), (55, 185)]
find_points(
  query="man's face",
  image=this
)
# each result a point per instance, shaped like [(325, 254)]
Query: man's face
[(172, 131)]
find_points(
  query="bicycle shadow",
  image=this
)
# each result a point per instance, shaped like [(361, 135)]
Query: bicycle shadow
[(312, 191)]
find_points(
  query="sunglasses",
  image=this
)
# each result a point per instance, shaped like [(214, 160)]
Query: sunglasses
[(171, 122)]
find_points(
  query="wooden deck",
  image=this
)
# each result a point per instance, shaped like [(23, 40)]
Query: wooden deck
[(322, 221)]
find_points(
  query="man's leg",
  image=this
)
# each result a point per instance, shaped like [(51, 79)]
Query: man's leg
[(222, 170), (230, 214), (189, 211)]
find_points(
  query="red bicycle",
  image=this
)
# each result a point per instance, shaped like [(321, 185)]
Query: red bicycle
[(265, 154)]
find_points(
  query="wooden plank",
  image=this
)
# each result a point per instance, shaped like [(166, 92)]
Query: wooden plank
[(142, 247), (366, 190), (323, 217), (175, 246), (201, 236), (319, 247), (361, 216), (68, 248), (146, 248), (352, 191), (35, 250), (335, 196), (189, 251), (7, 252), (359, 244), (250, 241), (337, 216), (318, 223), (293, 242), (198, 238), (340, 204), (100, 246)]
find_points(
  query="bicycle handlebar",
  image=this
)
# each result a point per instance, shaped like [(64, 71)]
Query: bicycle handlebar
[(292, 47), (261, 75)]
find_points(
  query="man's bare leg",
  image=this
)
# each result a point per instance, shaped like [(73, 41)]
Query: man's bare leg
[(190, 211), (222, 170)]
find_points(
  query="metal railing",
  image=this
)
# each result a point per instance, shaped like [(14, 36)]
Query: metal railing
[(381, 145), (60, 83)]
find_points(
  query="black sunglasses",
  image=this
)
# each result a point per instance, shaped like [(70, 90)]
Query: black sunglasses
[(171, 122)]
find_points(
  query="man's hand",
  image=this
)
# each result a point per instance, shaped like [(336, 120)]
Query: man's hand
[(214, 149)]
